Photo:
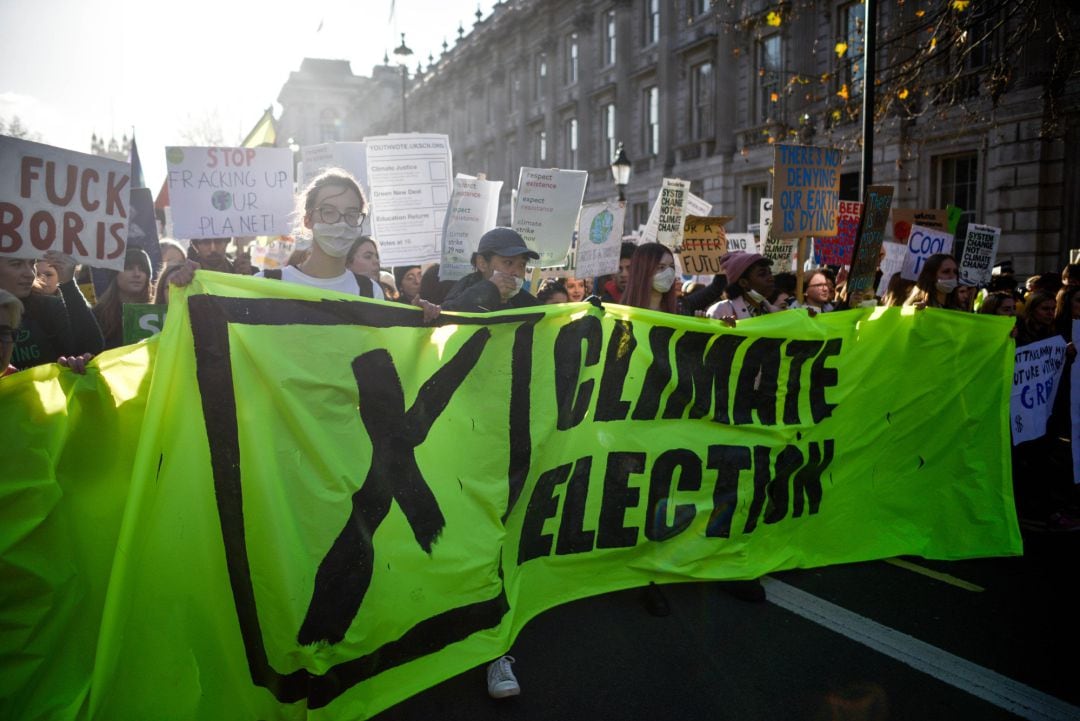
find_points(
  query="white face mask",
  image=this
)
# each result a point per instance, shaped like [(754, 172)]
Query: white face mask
[(519, 283), (662, 281), (946, 286), (335, 239)]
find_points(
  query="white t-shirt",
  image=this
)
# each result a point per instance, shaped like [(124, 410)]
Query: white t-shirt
[(344, 283)]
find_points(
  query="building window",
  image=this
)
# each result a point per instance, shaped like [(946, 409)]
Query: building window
[(700, 7), (514, 88), (607, 120), (956, 181), (329, 126), (540, 81), (609, 38), (651, 113), (768, 78), (652, 21), (571, 132), (540, 147), (571, 59), (701, 98), (752, 195), (641, 214), (853, 22)]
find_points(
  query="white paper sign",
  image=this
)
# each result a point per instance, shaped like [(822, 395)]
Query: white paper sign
[(1036, 377), (671, 212), (746, 242), (55, 199), (351, 157), (546, 210), (980, 251), (697, 206), (921, 244), (891, 265), (411, 179), (473, 210), (765, 225), (599, 239), (222, 192), (781, 251)]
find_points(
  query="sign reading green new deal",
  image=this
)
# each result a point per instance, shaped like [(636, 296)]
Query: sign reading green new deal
[(806, 194)]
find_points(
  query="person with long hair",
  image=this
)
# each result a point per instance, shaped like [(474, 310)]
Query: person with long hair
[(131, 285), (651, 281), (363, 259), (1037, 319), (936, 285)]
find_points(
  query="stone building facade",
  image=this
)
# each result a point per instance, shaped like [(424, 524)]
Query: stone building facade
[(700, 90)]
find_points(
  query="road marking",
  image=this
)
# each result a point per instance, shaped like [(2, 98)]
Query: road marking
[(988, 685), (936, 575)]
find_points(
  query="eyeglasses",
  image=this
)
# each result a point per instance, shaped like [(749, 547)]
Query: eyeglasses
[(330, 214), (8, 335)]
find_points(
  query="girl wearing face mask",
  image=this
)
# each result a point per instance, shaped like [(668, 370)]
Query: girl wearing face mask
[(936, 284), (332, 210), (750, 283), (651, 284)]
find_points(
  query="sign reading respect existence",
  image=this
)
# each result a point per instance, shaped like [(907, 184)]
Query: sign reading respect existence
[(472, 211), (411, 180), (55, 199), (466, 476), (806, 190), (222, 192), (546, 210)]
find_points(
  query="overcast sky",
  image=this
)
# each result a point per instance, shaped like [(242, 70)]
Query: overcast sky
[(70, 68)]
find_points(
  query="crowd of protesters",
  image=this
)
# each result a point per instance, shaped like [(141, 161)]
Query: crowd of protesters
[(45, 315)]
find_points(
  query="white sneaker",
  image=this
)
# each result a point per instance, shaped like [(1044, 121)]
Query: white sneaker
[(501, 680)]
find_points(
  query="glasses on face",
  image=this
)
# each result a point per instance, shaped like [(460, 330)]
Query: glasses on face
[(330, 214), (7, 335)]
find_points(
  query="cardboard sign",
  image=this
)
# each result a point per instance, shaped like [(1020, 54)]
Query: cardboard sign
[(838, 249), (473, 210), (411, 179), (142, 320), (1036, 376), (599, 239), (225, 192), (55, 199), (921, 244), (806, 186), (980, 252), (704, 242), (864, 265), (746, 242), (904, 218), (546, 210)]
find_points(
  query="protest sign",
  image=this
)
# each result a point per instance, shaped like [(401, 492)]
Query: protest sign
[(142, 234), (225, 192), (1036, 377), (904, 218), (704, 242), (411, 179), (272, 252), (921, 244), (472, 211), (866, 256), (781, 251), (55, 199), (953, 215), (142, 320), (980, 252), (599, 239), (765, 222), (746, 242), (671, 210), (546, 210), (466, 477), (837, 250), (349, 156), (694, 206), (806, 188), (891, 264)]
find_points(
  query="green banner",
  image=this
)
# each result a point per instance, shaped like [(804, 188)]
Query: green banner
[(329, 506), (142, 320)]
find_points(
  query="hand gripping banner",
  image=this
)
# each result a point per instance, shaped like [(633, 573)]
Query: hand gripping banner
[(329, 506)]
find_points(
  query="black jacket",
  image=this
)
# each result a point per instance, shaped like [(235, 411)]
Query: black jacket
[(473, 294), (55, 326)]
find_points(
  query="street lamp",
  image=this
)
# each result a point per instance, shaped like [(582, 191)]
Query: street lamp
[(620, 170), (401, 54)]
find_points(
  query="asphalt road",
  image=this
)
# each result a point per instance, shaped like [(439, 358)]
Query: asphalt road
[(902, 639)]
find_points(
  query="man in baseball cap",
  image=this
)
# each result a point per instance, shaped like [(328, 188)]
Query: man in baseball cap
[(500, 261)]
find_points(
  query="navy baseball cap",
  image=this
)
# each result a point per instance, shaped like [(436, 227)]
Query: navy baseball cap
[(505, 242)]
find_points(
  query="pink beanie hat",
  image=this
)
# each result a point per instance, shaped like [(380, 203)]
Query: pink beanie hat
[(738, 262)]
